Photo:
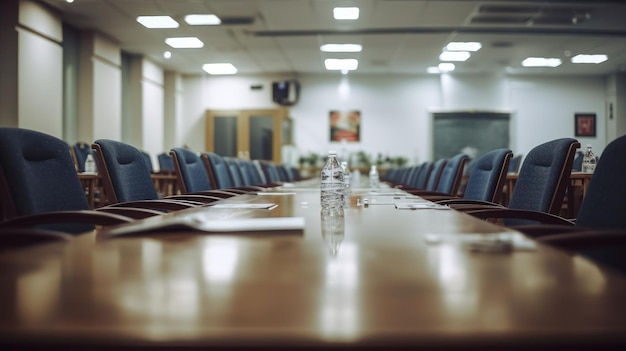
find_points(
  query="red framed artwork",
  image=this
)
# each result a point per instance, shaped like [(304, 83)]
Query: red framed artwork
[(345, 125), (585, 124)]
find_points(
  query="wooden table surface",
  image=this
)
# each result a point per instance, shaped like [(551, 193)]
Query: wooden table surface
[(397, 278)]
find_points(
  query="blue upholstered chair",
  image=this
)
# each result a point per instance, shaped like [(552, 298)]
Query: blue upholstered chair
[(237, 177), (485, 183), (148, 159), (578, 162), (515, 163), (128, 182), (435, 175), (166, 163), (540, 187), (192, 174), (219, 173), (39, 185)]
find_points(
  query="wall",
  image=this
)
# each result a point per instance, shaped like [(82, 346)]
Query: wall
[(396, 110), (40, 67)]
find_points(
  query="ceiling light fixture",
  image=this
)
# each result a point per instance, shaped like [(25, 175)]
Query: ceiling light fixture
[(541, 62), (219, 68), (454, 56), (202, 20), (582, 58), (167, 54), (157, 21), (184, 43), (463, 46), (446, 67), (341, 64), (433, 69), (341, 48), (69, 1), (346, 13)]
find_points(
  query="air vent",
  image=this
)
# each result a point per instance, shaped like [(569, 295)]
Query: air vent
[(236, 20)]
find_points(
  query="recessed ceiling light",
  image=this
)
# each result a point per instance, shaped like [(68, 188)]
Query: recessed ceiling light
[(69, 1), (589, 58), (454, 56), (341, 64), (341, 48), (202, 20), (446, 67), (167, 54), (184, 42), (346, 13), (541, 62), (157, 21), (463, 46), (219, 68), (433, 69)]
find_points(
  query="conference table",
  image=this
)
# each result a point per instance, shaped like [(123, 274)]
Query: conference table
[(389, 271)]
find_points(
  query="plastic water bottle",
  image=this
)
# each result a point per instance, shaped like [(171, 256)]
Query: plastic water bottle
[(333, 186), (346, 181), (589, 161), (374, 177), (90, 164), (333, 227)]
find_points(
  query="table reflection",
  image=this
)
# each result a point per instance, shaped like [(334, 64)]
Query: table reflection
[(333, 228)]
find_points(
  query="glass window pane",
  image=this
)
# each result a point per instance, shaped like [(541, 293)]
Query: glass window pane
[(225, 136)]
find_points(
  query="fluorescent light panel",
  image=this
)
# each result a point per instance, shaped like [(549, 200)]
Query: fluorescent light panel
[(341, 64), (582, 58), (454, 56), (463, 46), (341, 48), (346, 13), (157, 21), (446, 67), (219, 68), (541, 62), (184, 43), (202, 20)]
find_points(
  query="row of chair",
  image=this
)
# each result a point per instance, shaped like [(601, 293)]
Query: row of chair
[(39, 184)]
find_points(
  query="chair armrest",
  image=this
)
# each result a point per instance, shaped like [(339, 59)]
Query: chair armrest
[(56, 217), (132, 212), (223, 194), (163, 205), (537, 216), (200, 198)]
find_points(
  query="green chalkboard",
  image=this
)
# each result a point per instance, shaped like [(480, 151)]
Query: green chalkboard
[(455, 132)]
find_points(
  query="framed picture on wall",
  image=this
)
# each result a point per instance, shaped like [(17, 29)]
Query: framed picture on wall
[(585, 124), (345, 125)]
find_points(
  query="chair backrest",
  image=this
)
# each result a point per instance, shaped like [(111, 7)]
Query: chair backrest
[(217, 169), (422, 177), (604, 204), (81, 149), (124, 172), (514, 164), (190, 171), (148, 159), (166, 163), (235, 171), (435, 174), (486, 181), (37, 174), (271, 172), (452, 174), (543, 177), (256, 172)]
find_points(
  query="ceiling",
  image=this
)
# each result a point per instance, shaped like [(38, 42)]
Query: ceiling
[(398, 36)]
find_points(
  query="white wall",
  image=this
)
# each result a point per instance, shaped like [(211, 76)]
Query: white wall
[(40, 67), (396, 110)]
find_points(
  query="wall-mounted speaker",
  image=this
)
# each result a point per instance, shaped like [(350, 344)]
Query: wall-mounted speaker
[(286, 92)]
